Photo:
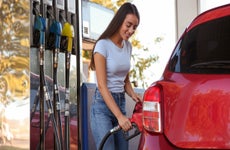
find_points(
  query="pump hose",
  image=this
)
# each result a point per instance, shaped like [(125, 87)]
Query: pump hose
[(115, 130), (48, 101), (107, 135)]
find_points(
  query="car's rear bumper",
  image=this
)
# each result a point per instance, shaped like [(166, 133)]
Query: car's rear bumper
[(149, 141)]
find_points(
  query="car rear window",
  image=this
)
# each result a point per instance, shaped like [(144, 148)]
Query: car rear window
[(205, 49)]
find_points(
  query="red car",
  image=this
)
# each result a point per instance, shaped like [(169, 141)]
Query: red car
[(189, 107)]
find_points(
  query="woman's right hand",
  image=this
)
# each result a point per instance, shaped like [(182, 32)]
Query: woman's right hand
[(124, 123)]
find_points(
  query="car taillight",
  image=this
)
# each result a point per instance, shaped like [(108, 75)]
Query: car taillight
[(152, 109)]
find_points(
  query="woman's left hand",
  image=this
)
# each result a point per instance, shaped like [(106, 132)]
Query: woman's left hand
[(136, 97)]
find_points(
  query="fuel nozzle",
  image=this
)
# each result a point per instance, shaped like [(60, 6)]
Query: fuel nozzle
[(39, 30), (67, 37), (54, 35), (137, 126)]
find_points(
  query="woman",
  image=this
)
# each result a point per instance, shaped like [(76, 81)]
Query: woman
[(111, 61)]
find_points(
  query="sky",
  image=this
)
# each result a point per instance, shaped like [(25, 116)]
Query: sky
[(155, 22), (207, 4), (157, 19)]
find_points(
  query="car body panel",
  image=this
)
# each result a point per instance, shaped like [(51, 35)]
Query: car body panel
[(49, 138), (193, 116), (150, 141)]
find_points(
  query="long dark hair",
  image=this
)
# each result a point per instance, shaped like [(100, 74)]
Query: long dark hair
[(115, 24)]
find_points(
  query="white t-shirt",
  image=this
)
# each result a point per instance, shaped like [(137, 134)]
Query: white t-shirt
[(117, 62)]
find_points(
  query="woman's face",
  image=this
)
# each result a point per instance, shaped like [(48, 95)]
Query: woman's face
[(129, 26)]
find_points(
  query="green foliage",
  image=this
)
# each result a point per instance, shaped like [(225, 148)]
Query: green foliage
[(87, 54), (141, 64)]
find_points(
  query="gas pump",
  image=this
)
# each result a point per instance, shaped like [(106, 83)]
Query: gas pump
[(39, 41), (53, 31)]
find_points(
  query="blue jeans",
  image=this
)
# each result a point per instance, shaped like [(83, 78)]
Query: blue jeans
[(102, 120)]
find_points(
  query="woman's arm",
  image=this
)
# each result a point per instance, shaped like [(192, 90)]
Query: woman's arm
[(129, 90), (100, 65)]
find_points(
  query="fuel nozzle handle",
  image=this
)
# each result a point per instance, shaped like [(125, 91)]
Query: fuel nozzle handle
[(129, 136), (56, 29), (39, 28), (135, 132), (68, 31)]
